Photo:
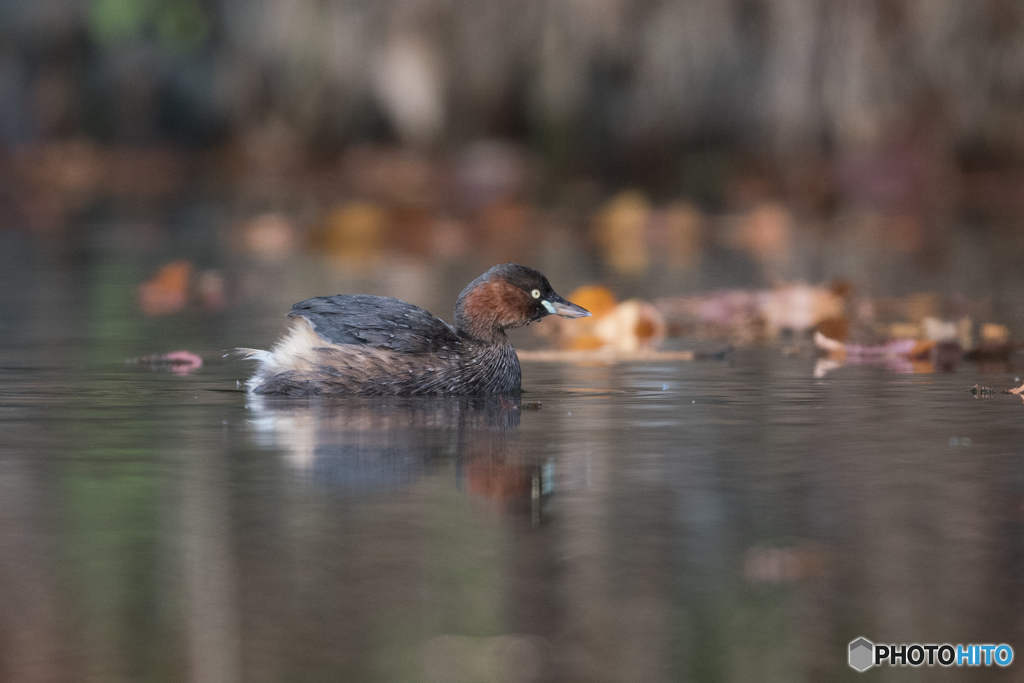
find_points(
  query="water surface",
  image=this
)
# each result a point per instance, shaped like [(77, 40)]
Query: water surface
[(729, 520)]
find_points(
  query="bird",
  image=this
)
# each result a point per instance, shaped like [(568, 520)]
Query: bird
[(368, 345)]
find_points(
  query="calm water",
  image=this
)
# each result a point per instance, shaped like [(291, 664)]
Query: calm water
[(709, 521)]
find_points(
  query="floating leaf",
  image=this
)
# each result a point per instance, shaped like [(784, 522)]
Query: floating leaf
[(167, 291)]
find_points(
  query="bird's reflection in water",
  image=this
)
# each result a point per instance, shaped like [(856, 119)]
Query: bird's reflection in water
[(357, 443)]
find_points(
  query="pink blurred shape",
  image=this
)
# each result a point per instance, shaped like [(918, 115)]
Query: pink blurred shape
[(178, 362)]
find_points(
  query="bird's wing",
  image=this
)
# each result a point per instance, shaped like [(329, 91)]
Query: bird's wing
[(377, 321)]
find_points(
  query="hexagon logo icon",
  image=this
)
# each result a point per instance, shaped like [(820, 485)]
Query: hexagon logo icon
[(862, 654)]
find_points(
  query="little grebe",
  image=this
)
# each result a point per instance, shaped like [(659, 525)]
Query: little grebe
[(376, 345)]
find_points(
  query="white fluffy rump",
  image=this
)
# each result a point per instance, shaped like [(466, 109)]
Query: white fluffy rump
[(294, 351)]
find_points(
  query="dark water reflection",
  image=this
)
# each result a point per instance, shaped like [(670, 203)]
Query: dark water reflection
[(718, 521), (382, 444)]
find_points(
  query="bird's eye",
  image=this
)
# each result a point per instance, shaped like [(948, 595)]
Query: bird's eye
[(536, 293)]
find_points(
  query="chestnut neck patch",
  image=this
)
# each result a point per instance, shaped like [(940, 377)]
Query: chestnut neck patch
[(491, 306)]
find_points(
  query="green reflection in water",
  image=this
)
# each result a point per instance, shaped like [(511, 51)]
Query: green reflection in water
[(110, 524), (463, 562), (113, 319), (110, 509)]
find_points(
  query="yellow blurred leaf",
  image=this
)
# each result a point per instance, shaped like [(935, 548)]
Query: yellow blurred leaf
[(991, 332), (621, 230), (353, 231)]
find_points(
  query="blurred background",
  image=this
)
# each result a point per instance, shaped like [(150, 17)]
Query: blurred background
[(729, 178), (716, 143)]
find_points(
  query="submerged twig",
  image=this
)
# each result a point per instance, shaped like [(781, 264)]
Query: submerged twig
[(979, 391), (612, 355)]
